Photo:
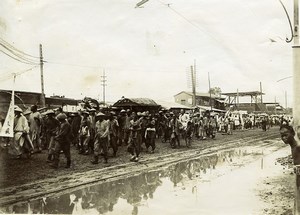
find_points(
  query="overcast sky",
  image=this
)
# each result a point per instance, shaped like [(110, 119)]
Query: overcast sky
[(146, 52)]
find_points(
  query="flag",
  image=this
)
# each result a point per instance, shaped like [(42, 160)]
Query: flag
[(7, 129)]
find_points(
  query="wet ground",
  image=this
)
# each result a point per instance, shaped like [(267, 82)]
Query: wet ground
[(224, 182), (23, 180)]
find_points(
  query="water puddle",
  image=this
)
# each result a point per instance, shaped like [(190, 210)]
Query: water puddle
[(220, 183)]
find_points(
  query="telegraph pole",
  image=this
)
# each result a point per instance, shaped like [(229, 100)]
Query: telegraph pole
[(103, 84), (43, 100), (296, 73), (275, 104), (238, 99), (195, 81), (261, 99), (210, 103), (285, 99), (296, 98), (296, 105), (193, 86)]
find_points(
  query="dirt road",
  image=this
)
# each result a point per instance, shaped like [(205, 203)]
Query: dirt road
[(28, 179)]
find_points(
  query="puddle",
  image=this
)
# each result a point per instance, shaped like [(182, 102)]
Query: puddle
[(221, 183)]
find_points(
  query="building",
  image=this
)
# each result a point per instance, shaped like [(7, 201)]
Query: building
[(202, 99), (26, 99)]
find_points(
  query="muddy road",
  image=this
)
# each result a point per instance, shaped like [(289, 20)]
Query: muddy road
[(219, 156)]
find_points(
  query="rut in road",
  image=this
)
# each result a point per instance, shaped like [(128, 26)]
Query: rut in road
[(45, 187)]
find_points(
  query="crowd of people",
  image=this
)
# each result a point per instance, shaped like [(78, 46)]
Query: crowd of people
[(94, 132)]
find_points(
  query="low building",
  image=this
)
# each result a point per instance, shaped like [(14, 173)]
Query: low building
[(202, 99), (26, 99)]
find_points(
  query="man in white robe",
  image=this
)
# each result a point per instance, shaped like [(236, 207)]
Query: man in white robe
[(21, 129)]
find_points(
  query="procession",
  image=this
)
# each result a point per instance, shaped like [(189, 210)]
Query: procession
[(149, 107), (99, 134)]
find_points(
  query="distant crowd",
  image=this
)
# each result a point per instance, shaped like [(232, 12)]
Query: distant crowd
[(94, 132)]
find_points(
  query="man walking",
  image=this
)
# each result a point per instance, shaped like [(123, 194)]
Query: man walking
[(175, 127), (102, 138), (21, 130), (113, 132), (35, 128), (135, 138), (84, 134), (63, 141), (51, 128)]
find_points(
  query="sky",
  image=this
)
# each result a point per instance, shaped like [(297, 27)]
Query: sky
[(148, 51)]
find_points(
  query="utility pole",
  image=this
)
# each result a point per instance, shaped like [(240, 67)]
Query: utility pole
[(275, 105), (296, 98), (43, 100), (103, 84), (238, 99), (193, 86), (195, 81), (210, 103), (285, 99), (296, 73), (261, 99)]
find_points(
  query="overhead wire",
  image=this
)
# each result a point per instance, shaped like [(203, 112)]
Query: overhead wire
[(9, 76), (75, 65), (12, 47), (12, 74), (228, 49), (16, 58), (187, 20), (18, 55)]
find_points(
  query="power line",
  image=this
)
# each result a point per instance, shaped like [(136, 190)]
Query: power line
[(17, 55), (228, 48), (9, 76), (75, 65), (112, 68), (284, 78), (16, 73), (17, 58), (186, 19), (12, 47)]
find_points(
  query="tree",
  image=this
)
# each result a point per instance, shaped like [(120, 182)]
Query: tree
[(215, 91)]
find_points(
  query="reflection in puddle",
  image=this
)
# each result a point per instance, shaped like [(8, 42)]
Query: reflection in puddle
[(174, 189)]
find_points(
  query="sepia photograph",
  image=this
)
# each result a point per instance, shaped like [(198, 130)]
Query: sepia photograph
[(150, 107)]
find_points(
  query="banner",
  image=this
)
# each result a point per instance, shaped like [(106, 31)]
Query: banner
[(7, 129)]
